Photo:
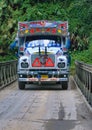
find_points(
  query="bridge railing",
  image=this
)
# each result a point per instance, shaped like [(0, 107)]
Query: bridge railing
[(8, 72), (83, 79)]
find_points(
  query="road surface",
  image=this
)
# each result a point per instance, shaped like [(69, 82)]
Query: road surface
[(43, 108)]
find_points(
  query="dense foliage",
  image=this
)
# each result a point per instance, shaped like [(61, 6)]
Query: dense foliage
[(77, 13)]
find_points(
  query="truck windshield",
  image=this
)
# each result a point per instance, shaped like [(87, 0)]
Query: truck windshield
[(42, 43)]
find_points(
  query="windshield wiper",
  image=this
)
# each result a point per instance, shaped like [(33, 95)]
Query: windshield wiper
[(39, 51)]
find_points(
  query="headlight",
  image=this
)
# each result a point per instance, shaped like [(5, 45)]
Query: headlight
[(61, 64), (24, 65)]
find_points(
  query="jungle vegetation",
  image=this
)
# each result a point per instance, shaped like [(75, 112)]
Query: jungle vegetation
[(77, 12)]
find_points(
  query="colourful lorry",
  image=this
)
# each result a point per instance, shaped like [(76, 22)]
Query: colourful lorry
[(43, 53)]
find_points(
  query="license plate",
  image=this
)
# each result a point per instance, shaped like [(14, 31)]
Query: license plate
[(44, 76)]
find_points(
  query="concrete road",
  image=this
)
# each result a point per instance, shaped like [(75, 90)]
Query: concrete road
[(43, 109)]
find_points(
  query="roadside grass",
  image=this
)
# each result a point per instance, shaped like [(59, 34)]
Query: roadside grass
[(82, 56), (7, 58)]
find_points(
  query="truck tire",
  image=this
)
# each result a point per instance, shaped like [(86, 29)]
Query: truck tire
[(21, 85), (64, 85)]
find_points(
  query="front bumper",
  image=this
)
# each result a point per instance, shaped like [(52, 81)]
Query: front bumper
[(43, 76), (42, 79)]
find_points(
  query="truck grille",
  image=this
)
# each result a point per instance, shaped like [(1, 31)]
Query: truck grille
[(43, 60)]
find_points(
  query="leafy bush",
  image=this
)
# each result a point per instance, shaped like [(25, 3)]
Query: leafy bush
[(78, 13)]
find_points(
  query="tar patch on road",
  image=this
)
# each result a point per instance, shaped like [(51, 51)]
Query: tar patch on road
[(67, 125), (60, 125)]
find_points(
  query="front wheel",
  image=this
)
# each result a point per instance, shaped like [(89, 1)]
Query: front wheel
[(21, 85), (64, 85)]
